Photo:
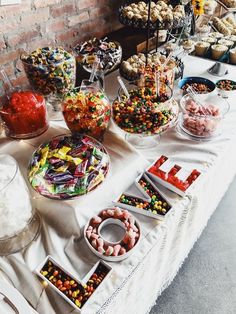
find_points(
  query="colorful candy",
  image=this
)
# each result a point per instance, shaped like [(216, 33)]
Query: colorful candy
[(108, 53), (142, 113), (226, 85), (87, 112), (50, 70), (199, 88), (130, 239), (68, 166), (72, 289), (24, 115)]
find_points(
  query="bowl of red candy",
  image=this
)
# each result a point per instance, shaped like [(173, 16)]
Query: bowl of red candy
[(24, 114), (202, 120)]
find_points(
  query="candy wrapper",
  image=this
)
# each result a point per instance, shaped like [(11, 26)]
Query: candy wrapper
[(68, 166), (50, 70)]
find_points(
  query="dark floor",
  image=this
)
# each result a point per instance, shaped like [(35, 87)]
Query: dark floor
[(206, 283)]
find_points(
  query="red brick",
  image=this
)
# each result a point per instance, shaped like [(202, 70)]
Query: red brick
[(15, 10), (20, 81), (55, 26), (8, 25), (99, 12), (39, 43), (2, 43), (80, 18), (8, 57), (45, 3), (85, 4), (22, 38), (62, 10), (38, 17), (9, 69), (66, 36)]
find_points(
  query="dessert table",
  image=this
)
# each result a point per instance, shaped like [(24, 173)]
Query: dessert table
[(136, 282)]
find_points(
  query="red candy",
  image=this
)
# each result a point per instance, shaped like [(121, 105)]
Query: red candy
[(25, 115)]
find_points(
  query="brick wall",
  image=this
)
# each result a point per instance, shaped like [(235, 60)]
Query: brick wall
[(38, 23)]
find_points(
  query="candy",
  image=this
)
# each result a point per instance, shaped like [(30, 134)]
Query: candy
[(75, 291), (142, 113), (60, 177), (108, 53), (199, 88), (129, 240), (86, 112), (50, 70), (201, 120), (226, 85), (24, 115)]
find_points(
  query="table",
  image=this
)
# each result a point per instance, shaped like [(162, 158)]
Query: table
[(136, 282)]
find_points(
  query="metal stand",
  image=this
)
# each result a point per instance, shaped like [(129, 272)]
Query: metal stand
[(148, 31)]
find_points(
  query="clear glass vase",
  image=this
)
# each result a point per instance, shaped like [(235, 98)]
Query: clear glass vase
[(19, 223)]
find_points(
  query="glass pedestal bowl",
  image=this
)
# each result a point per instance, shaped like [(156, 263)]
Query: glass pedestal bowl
[(202, 123), (146, 114), (50, 71), (19, 223)]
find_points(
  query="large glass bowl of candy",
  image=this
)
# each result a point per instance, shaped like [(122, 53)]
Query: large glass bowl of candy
[(149, 111), (107, 53), (50, 71), (87, 111), (19, 223), (202, 120), (24, 114), (68, 166)]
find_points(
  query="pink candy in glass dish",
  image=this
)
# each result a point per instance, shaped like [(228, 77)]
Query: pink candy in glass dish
[(202, 121)]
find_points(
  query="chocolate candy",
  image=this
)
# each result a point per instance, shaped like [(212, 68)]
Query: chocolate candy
[(50, 70), (87, 112), (108, 53), (142, 113), (68, 166), (75, 291)]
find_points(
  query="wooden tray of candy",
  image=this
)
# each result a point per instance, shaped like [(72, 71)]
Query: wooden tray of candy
[(139, 24), (225, 7)]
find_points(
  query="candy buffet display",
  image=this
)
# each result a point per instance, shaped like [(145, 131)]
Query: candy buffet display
[(174, 177), (164, 15), (101, 245), (202, 120), (108, 53), (68, 166), (133, 67), (24, 114), (153, 203), (145, 111), (76, 292), (18, 226), (87, 111)]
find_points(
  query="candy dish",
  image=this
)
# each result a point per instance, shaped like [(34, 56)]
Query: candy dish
[(113, 234), (108, 53), (68, 166), (19, 223), (201, 85), (226, 88), (145, 114), (174, 177), (202, 122), (24, 114), (78, 293), (50, 71), (87, 112), (153, 204)]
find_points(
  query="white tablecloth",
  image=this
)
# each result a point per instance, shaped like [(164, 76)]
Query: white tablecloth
[(135, 282)]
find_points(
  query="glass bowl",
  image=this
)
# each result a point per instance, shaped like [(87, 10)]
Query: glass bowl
[(145, 115), (87, 111), (202, 122), (19, 224), (68, 166), (24, 114)]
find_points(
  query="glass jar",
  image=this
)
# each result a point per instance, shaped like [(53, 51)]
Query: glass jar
[(87, 111), (19, 224), (24, 114)]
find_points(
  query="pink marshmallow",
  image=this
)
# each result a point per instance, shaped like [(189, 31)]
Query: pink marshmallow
[(109, 251), (116, 250)]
